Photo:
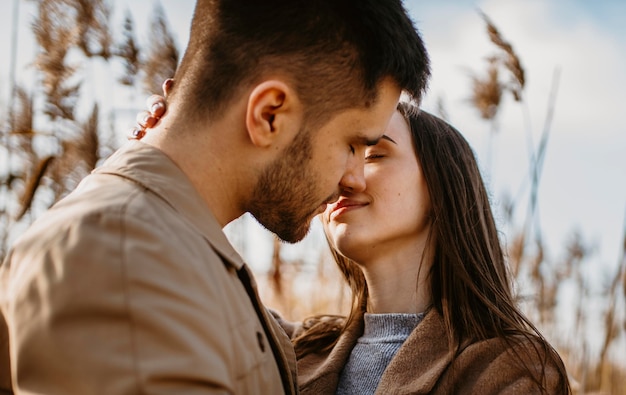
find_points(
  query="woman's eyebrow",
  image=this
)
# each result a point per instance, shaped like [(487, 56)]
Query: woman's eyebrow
[(384, 136)]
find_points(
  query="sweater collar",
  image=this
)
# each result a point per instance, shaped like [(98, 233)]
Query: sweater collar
[(394, 327)]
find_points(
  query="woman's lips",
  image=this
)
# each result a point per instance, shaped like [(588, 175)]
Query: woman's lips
[(344, 205)]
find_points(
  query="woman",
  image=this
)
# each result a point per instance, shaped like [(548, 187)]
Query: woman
[(432, 308)]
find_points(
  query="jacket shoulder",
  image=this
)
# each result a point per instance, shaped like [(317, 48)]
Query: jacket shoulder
[(515, 364)]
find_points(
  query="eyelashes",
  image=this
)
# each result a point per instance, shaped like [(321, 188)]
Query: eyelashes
[(374, 156)]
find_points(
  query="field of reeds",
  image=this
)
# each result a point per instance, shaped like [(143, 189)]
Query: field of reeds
[(48, 144)]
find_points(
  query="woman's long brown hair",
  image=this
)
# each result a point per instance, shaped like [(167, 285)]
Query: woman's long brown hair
[(471, 286)]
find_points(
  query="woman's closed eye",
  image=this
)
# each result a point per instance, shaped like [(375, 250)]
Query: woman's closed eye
[(370, 156)]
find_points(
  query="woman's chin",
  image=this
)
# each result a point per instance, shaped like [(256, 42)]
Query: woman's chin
[(350, 248)]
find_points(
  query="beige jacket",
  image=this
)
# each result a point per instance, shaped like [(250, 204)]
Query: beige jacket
[(128, 286), (424, 365)]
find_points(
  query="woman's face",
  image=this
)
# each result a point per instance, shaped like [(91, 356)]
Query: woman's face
[(391, 211)]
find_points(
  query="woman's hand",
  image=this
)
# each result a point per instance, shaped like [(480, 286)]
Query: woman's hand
[(156, 109)]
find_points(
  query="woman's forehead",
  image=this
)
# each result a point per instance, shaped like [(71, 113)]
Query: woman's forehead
[(398, 129)]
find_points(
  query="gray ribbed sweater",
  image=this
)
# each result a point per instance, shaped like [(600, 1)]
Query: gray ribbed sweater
[(382, 337)]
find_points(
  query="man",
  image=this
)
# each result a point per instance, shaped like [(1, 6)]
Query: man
[(128, 285)]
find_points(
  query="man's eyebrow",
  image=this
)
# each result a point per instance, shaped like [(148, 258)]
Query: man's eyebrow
[(364, 140), (371, 142)]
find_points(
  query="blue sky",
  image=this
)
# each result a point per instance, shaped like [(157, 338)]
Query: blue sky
[(584, 181)]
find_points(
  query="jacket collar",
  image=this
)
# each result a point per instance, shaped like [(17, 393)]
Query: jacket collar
[(415, 368), (421, 360), (153, 170), (324, 377)]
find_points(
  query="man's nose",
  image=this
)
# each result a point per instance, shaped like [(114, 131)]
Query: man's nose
[(353, 179)]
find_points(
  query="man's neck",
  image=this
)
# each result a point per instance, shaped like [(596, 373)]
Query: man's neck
[(211, 166)]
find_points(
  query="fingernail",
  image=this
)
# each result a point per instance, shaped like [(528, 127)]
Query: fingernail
[(155, 107), (136, 134), (167, 84)]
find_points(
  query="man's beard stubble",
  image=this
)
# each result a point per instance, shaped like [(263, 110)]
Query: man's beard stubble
[(284, 199)]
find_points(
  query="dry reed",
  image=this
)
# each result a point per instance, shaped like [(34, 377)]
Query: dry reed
[(128, 51), (509, 59), (162, 57)]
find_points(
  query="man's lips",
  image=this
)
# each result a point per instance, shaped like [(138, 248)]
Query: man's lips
[(344, 205), (326, 203)]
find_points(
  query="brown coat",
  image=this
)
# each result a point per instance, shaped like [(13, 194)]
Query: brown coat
[(424, 365), (130, 286)]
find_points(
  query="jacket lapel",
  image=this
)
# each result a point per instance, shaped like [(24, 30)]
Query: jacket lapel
[(420, 361), (325, 378), (279, 343)]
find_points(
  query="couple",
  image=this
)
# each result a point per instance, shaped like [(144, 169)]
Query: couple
[(432, 310), (128, 285)]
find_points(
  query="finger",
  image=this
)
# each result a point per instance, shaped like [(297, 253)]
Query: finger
[(156, 105), (158, 109), (167, 86), (143, 119), (136, 134), (150, 122)]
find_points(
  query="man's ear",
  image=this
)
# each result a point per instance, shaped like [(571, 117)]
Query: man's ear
[(274, 114)]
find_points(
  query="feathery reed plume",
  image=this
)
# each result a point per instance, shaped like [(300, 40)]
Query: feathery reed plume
[(94, 33), (23, 114), (129, 52), (163, 54), (21, 137), (510, 60), (61, 25), (80, 154), (487, 91), (55, 34), (88, 143), (32, 185)]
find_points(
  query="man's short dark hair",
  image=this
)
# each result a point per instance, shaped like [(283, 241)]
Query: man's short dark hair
[(336, 52)]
